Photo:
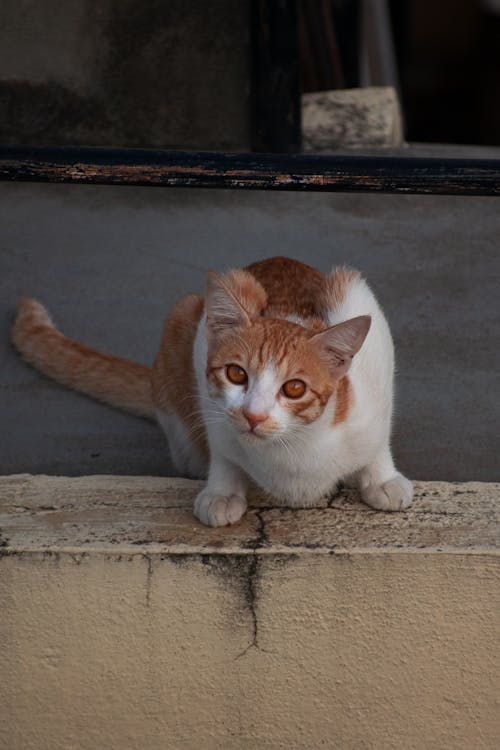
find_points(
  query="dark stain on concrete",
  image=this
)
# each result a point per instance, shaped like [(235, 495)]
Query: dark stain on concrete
[(262, 539), (238, 573), (149, 579), (241, 574)]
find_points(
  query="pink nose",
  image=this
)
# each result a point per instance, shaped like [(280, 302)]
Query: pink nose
[(254, 419)]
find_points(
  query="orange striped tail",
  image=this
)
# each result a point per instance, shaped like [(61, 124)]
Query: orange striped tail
[(115, 381)]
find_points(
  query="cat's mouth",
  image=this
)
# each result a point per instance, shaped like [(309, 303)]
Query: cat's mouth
[(250, 434), (253, 434)]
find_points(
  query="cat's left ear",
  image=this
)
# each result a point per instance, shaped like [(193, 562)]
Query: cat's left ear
[(232, 301), (340, 343)]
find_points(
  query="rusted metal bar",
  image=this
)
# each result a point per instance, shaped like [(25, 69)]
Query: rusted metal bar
[(256, 171)]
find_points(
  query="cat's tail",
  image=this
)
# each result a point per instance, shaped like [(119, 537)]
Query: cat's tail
[(119, 382)]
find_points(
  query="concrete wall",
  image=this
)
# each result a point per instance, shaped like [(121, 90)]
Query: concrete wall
[(124, 73), (126, 624)]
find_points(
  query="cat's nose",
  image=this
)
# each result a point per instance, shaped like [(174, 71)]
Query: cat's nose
[(254, 419)]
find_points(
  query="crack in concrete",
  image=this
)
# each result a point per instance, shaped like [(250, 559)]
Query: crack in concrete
[(4, 542), (261, 530), (149, 579), (253, 574), (250, 592)]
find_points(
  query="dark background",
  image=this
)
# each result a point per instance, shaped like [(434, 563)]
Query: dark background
[(193, 74), (448, 53)]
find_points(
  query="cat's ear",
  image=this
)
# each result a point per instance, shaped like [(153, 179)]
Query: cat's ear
[(340, 343), (232, 301)]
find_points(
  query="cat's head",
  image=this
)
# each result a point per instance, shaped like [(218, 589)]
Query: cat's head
[(270, 376)]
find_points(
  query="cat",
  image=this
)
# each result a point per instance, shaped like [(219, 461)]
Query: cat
[(280, 375)]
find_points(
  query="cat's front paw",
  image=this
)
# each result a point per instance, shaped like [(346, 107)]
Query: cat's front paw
[(395, 494), (215, 509)]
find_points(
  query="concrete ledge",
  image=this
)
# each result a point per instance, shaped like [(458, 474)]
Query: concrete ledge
[(154, 515), (127, 624)]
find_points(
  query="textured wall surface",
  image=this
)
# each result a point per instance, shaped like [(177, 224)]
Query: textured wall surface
[(124, 73), (126, 624)]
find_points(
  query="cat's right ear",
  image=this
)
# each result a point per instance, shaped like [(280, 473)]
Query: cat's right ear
[(338, 344), (222, 308)]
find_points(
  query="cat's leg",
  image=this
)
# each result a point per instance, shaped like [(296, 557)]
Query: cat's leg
[(223, 500), (381, 486)]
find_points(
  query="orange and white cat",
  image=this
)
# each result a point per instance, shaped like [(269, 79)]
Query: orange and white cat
[(280, 375)]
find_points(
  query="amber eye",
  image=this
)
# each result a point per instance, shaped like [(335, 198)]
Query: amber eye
[(294, 388), (236, 374)]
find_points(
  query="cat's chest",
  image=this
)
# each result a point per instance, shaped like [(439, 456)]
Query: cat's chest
[(303, 456), (295, 471)]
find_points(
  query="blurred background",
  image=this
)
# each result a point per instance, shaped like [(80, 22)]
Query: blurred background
[(241, 74)]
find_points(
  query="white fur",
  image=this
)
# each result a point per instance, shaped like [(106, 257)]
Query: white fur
[(299, 464)]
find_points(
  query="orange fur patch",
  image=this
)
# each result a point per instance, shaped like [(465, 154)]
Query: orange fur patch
[(247, 290), (343, 402), (292, 288), (173, 379)]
